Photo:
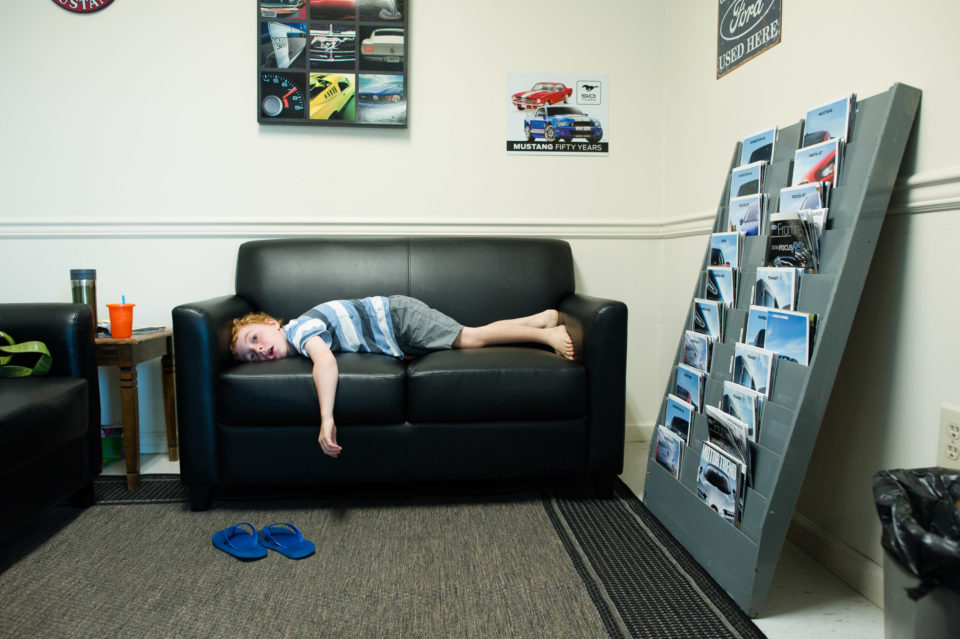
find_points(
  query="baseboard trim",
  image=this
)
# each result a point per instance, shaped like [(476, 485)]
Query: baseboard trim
[(859, 572)]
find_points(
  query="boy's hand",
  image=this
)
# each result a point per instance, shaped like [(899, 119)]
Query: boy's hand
[(328, 440)]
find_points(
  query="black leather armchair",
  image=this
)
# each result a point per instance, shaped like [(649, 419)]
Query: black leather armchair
[(49, 425), (498, 412)]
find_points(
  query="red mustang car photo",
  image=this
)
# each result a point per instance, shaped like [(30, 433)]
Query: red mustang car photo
[(542, 93)]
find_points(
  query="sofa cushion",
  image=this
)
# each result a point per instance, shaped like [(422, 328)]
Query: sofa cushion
[(39, 415), (495, 384), (281, 392)]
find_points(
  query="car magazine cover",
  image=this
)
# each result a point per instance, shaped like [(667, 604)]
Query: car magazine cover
[(790, 335), (690, 385), (746, 180), (758, 147), (696, 350), (558, 113), (720, 481), (803, 197), (678, 417), (669, 450), (791, 243), (756, 328), (708, 318), (729, 434), (746, 214), (817, 163), (776, 287), (745, 404), (833, 120), (721, 285), (725, 249), (753, 367)]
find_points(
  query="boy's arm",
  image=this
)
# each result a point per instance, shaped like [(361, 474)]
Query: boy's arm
[(325, 377)]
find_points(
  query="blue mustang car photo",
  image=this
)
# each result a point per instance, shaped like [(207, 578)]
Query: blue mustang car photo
[(561, 123)]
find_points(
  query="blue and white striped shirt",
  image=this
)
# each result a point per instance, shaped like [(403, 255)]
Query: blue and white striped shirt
[(347, 326)]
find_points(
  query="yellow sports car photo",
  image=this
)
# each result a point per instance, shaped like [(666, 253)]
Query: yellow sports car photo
[(331, 97)]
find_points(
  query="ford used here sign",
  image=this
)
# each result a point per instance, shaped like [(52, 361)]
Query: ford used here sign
[(745, 29)]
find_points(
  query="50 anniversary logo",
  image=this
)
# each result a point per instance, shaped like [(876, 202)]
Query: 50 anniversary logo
[(82, 6)]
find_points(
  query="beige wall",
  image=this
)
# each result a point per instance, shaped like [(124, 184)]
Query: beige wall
[(129, 144), (901, 360)]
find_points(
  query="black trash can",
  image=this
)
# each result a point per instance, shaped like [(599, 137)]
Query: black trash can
[(919, 510)]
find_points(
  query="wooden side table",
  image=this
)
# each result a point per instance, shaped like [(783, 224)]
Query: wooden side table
[(126, 353)]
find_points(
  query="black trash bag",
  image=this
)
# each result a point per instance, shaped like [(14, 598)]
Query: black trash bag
[(920, 513)]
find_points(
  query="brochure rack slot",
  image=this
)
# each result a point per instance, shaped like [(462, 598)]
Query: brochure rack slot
[(776, 426), (816, 292), (754, 512), (742, 560), (753, 250), (736, 321), (833, 250), (789, 382), (721, 360)]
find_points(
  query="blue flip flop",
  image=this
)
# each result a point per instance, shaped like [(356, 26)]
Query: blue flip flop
[(236, 541), (286, 539)]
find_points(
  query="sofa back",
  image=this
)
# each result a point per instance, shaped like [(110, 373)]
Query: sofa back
[(475, 280)]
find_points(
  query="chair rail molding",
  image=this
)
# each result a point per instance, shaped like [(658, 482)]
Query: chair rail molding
[(928, 192)]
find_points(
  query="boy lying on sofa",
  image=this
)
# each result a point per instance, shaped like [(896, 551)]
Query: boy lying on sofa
[(397, 326)]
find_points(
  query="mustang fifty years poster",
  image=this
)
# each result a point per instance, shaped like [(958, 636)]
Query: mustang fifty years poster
[(558, 113)]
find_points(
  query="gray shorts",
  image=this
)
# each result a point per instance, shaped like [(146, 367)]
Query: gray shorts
[(420, 329)]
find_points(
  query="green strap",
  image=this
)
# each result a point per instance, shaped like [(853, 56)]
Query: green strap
[(41, 367)]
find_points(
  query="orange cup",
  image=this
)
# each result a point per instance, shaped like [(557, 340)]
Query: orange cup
[(121, 320)]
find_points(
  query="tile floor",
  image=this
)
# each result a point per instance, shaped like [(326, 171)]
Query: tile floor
[(805, 598)]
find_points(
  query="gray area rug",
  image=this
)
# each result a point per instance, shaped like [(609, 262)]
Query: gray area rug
[(527, 562)]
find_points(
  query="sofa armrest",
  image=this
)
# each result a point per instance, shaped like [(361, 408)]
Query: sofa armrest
[(599, 331), (68, 332), (201, 332)]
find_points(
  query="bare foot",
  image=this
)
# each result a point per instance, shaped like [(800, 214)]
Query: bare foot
[(545, 319), (560, 341)]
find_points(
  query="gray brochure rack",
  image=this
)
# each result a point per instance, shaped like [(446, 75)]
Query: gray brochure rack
[(742, 560)]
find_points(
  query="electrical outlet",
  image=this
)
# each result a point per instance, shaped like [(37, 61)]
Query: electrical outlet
[(948, 449)]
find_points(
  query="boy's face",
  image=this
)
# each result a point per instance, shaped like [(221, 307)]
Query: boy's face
[(259, 342)]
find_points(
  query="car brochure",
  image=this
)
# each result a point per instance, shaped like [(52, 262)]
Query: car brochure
[(745, 404), (814, 222), (756, 328), (790, 335), (833, 120), (725, 249), (791, 242), (746, 180), (777, 287), (669, 450), (678, 417), (720, 482), (708, 318), (697, 349), (818, 163), (721, 285), (753, 367), (690, 385), (758, 147), (746, 214), (803, 197)]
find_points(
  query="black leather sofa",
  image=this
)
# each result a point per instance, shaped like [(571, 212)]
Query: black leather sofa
[(498, 412), (49, 425)]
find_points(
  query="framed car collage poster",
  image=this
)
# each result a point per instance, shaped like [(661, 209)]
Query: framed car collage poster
[(558, 113), (332, 62)]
